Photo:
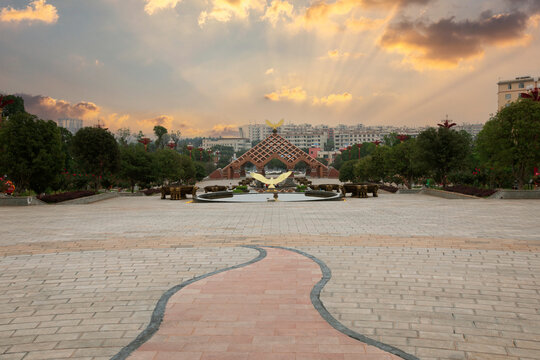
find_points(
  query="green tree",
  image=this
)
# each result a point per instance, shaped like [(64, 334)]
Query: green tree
[(171, 166), (346, 172), (329, 145), (511, 139), (123, 135), (96, 152), (135, 165), (362, 169), (31, 152), (391, 139), (444, 150), (161, 136), (402, 163)]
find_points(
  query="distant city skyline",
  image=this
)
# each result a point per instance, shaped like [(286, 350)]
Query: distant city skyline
[(207, 67)]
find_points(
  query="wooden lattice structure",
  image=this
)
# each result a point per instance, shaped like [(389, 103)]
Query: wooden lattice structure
[(273, 147)]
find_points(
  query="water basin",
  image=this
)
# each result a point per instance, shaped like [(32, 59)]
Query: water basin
[(230, 197)]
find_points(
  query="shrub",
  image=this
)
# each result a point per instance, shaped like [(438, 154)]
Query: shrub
[(301, 188), (470, 190), (388, 188), (149, 192)]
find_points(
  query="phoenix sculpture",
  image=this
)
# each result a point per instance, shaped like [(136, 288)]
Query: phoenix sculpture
[(271, 182)]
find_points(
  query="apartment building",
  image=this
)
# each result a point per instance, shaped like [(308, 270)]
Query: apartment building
[(510, 90), (73, 125), (238, 144)]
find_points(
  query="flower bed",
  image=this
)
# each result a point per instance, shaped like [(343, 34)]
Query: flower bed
[(388, 188), (56, 198), (470, 190)]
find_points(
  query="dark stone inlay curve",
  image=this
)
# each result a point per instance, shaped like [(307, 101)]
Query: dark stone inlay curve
[(319, 306), (159, 310)]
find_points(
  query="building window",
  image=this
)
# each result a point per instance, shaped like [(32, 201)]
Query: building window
[(521, 85), (508, 96), (509, 86)]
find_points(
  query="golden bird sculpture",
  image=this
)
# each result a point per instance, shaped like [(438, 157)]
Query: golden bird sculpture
[(275, 126), (271, 182)]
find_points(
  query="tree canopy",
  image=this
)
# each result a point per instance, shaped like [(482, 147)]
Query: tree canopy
[(31, 152), (96, 151)]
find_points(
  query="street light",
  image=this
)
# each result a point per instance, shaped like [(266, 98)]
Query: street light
[(359, 147), (190, 147), (145, 141)]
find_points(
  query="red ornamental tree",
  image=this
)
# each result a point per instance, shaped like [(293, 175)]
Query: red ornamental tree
[(534, 95), (402, 137), (145, 141), (4, 103)]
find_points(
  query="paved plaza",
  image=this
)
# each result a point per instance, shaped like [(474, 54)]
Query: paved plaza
[(413, 276)]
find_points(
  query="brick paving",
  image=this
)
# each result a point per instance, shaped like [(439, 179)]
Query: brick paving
[(262, 311), (440, 279)]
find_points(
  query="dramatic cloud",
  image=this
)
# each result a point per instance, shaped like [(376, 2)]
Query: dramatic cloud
[(162, 120), (153, 5), (48, 108), (298, 94), (38, 10), (224, 130), (332, 99), (336, 55), (226, 10), (444, 44), (339, 15), (295, 94), (278, 10)]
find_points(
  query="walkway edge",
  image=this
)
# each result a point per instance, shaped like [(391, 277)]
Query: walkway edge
[(159, 310), (319, 306)]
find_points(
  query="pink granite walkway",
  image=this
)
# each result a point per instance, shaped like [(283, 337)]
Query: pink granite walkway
[(261, 311)]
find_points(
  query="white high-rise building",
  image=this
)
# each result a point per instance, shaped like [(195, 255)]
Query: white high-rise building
[(73, 125)]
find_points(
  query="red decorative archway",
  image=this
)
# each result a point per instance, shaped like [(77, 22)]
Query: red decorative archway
[(273, 147)]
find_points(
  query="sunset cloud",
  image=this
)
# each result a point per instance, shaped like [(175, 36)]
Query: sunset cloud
[(336, 55), (49, 108), (278, 10), (226, 10), (295, 94), (447, 42), (154, 5), (161, 120), (225, 130), (333, 99), (38, 10), (269, 71)]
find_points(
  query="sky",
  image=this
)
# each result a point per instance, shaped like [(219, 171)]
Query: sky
[(205, 67)]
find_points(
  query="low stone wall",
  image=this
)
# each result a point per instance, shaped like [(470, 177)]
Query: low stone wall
[(446, 194), (20, 201), (516, 194), (90, 199)]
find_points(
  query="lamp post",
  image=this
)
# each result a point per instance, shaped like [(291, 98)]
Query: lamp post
[(349, 147), (217, 157), (359, 146), (200, 153), (190, 147), (377, 142), (171, 145)]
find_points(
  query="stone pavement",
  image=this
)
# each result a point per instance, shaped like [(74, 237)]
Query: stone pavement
[(439, 279)]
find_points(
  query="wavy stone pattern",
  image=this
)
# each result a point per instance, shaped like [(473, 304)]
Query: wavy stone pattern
[(261, 311)]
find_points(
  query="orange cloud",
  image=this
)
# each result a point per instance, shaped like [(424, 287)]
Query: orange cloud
[(446, 43), (154, 5), (295, 94), (336, 55), (38, 10), (278, 10), (224, 130), (269, 71), (332, 99), (226, 10), (47, 107), (162, 120)]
